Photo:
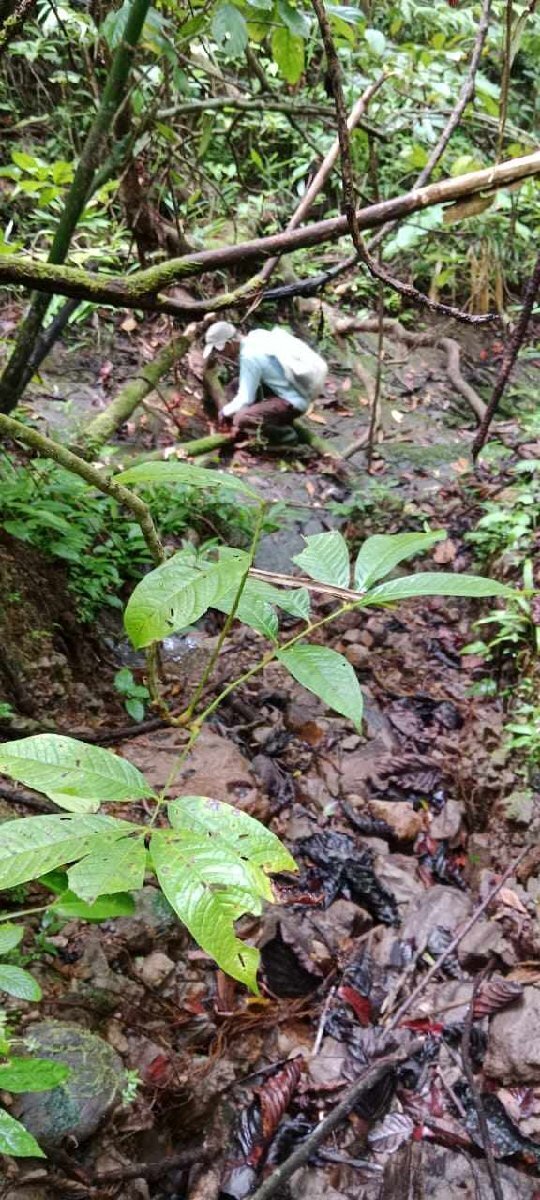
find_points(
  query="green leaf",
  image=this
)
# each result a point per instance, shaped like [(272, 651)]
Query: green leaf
[(10, 936), (105, 908), (376, 41), (211, 867), (382, 552), (118, 867), (18, 982), (32, 1075), (135, 709), (178, 593), (257, 602), (288, 54), (32, 846), (15, 1139), (435, 583), (328, 675), (235, 830), (296, 21), (73, 774), (160, 473), (326, 559), (229, 30)]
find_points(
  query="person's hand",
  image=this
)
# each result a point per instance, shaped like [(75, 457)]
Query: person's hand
[(224, 423)]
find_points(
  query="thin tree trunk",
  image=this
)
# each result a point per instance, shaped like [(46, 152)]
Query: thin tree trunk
[(11, 383)]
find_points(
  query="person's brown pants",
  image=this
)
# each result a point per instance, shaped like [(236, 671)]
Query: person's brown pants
[(273, 411)]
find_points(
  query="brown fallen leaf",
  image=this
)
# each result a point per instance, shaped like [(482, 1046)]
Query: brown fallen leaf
[(445, 552)]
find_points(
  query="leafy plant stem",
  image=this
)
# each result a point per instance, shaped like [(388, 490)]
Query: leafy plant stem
[(263, 509), (24, 912)]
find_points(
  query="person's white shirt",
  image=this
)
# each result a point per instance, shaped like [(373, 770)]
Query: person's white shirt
[(284, 364)]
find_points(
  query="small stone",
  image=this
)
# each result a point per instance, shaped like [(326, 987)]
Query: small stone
[(352, 742), (405, 823), (519, 807), (352, 635), (448, 822), (513, 1051), (329, 1065), (359, 656), (117, 1038), (156, 968), (93, 1089), (153, 921), (484, 939)]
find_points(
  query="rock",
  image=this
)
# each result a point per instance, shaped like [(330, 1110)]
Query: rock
[(448, 1002), (484, 939), (400, 874), (448, 822), (405, 823), (156, 968), (519, 807), (153, 921), (513, 1051), (440, 905), (328, 1065), (359, 656), (340, 921), (215, 768), (92, 1090)]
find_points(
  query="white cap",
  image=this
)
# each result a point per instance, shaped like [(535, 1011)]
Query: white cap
[(217, 336)]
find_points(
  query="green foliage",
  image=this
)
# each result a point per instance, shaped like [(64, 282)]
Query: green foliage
[(15, 981), (179, 593), (75, 775), (326, 558), (102, 547), (16, 1140), (135, 694), (328, 675)]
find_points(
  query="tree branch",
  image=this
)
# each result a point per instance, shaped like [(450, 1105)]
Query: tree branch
[(509, 358), (349, 204), (143, 289)]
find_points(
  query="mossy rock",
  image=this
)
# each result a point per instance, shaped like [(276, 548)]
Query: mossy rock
[(93, 1089)]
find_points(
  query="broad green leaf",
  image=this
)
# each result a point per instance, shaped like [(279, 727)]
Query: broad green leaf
[(288, 54), (32, 1075), (10, 936), (200, 881), (435, 583), (382, 552), (296, 21), (229, 30), (178, 593), (75, 775), (328, 675), (158, 474), (119, 867), (32, 846), (15, 1139), (326, 559), (18, 982), (234, 829), (105, 908), (257, 602)]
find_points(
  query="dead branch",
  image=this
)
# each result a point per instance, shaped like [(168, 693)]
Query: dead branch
[(325, 169), (349, 203), (509, 358), (454, 374), (365, 1081), (143, 290)]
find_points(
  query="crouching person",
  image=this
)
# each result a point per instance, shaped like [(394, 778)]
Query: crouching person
[(278, 375)]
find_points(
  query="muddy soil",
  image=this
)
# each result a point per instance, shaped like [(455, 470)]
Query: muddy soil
[(399, 832)]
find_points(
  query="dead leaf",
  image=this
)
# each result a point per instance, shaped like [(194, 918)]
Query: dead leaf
[(445, 552), (494, 994), (388, 1135), (511, 900), (128, 324)]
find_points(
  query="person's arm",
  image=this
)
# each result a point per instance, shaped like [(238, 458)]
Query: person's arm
[(248, 383)]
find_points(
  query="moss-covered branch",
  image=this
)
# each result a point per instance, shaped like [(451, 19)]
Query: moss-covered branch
[(143, 290), (101, 429)]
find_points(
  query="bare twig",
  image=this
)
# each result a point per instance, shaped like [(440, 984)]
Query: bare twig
[(454, 374), (365, 1081), (374, 414), (406, 290), (509, 357), (477, 1099), (505, 79), (453, 945)]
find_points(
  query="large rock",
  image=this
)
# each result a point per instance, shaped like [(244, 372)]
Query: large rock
[(440, 906), (93, 1089), (513, 1052)]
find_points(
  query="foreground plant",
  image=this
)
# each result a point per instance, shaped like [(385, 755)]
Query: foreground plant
[(20, 1074), (211, 861)]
